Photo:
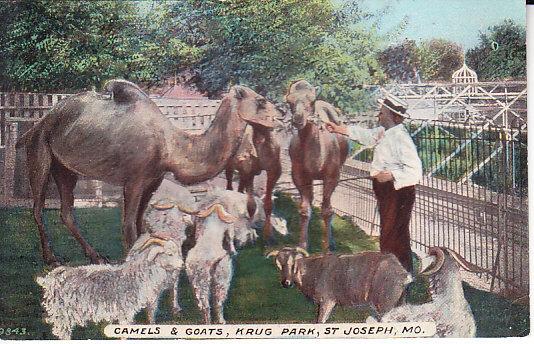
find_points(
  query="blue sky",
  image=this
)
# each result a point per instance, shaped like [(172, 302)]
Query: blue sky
[(456, 20)]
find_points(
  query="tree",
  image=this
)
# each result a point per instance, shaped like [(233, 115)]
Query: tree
[(401, 62), (439, 58), (431, 60), (71, 45), (268, 44), (500, 53)]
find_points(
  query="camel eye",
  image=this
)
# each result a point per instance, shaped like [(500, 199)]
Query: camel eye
[(261, 102)]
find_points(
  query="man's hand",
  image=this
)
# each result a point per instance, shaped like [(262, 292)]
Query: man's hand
[(334, 128), (383, 176)]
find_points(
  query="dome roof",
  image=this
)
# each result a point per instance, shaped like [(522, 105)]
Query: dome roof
[(464, 75)]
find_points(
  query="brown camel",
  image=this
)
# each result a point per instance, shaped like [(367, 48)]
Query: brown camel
[(259, 151), (127, 141), (316, 154)]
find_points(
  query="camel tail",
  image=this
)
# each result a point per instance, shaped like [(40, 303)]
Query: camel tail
[(27, 136), (46, 122)]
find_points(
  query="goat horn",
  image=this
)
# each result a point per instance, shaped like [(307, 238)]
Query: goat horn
[(164, 206), (221, 213), (440, 259), (188, 211), (151, 241), (272, 253), (303, 251), (464, 263), (160, 235)]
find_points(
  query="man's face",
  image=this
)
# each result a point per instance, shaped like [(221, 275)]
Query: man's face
[(385, 117)]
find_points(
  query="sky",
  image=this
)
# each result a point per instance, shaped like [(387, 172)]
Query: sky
[(456, 20)]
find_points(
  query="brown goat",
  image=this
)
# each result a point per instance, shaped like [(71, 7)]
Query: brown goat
[(366, 279)]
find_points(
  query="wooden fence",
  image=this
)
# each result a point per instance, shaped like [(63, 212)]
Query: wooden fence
[(18, 113)]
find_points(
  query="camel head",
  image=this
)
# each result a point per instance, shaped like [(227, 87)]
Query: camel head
[(253, 108), (301, 97)]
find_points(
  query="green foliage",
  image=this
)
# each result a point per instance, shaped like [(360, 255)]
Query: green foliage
[(439, 59), (431, 60), (268, 44), (500, 53), (68, 46), (71, 45), (400, 62)]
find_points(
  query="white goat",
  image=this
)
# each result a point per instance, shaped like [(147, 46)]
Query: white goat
[(222, 219), (78, 295), (169, 212), (448, 308)]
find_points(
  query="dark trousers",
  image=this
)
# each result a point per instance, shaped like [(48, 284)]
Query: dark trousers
[(395, 209)]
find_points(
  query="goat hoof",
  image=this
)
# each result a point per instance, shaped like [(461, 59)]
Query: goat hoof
[(52, 261), (99, 260)]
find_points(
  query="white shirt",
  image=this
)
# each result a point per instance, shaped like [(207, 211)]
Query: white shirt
[(394, 151)]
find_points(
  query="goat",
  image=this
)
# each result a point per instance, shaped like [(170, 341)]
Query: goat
[(219, 222), (78, 295), (448, 308), (371, 279), (170, 211)]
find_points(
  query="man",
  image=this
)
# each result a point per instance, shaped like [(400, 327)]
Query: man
[(395, 170)]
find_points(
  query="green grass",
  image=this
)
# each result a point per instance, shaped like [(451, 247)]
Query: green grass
[(255, 296)]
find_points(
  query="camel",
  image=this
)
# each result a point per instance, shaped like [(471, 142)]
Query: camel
[(127, 141), (259, 151), (316, 154)]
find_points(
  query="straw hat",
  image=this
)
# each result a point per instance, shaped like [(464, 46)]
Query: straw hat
[(398, 106)]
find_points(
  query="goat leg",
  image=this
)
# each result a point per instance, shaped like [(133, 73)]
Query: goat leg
[(324, 310)]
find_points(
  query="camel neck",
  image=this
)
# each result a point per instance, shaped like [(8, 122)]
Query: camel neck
[(307, 131), (197, 158)]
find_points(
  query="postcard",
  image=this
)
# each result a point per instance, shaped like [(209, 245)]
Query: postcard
[(274, 169)]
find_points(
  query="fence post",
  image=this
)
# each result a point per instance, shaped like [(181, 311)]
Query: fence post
[(10, 160)]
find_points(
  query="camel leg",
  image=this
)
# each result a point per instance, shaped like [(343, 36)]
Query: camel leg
[(244, 181), (145, 199), (133, 192), (305, 187), (272, 177), (66, 181), (39, 161), (327, 242), (251, 203), (229, 177)]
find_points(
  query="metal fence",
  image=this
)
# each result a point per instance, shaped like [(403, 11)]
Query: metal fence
[(472, 199)]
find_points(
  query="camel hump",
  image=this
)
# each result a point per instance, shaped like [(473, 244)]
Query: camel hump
[(327, 112), (124, 91)]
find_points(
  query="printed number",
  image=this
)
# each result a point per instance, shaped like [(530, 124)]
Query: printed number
[(494, 45), (12, 331)]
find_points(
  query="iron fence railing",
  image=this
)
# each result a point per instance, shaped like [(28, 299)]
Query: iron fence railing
[(472, 199)]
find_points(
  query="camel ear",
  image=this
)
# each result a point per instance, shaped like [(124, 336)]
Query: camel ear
[(239, 92)]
